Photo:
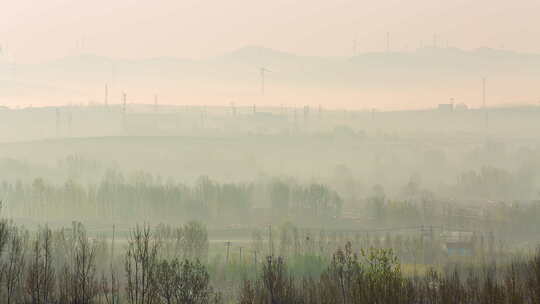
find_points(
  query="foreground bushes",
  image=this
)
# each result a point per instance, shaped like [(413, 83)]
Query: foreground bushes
[(162, 266), (374, 277), (67, 267)]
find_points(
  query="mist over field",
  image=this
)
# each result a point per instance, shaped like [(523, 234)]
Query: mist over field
[(245, 152)]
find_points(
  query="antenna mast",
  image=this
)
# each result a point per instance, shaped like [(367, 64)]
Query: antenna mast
[(263, 70)]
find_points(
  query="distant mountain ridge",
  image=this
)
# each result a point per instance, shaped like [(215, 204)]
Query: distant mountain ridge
[(253, 53), (235, 74)]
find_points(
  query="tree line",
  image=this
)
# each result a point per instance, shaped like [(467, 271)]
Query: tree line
[(145, 198)]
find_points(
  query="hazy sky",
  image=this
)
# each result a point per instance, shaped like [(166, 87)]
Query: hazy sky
[(36, 30)]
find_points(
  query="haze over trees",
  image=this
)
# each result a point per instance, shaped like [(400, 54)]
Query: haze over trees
[(146, 157)]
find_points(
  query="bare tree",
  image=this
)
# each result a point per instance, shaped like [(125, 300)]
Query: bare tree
[(14, 265), (40, 278), (80, 285), (140, 266)]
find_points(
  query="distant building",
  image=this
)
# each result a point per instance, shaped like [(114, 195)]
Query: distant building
[(460, 248), (458, 243), (446, 107)]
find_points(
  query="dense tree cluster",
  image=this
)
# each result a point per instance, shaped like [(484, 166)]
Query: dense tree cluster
[(145, 198)]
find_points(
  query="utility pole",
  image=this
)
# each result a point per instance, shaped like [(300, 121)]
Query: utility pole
[(57, 122), (484, 100), (70, 121), (228, 244), (240, 254), (106, 95), (270, 241), (112, 258), (112, 244), (114, 285), (203, 116), (255, 257), (124, 101)]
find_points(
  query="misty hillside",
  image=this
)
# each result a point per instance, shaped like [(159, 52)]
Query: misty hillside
[(423, 78)]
